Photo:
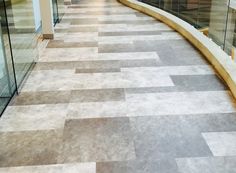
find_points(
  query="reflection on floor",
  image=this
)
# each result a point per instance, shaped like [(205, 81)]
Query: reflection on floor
[(120, 92)]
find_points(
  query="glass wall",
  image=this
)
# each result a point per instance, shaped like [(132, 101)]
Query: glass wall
[(20, 14), (55, 12), (7, 75), (218, 17), (58, 8)]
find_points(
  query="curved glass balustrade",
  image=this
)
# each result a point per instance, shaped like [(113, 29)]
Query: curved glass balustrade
[(216, 17)]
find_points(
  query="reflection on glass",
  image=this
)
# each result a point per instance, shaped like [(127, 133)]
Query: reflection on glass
[(58, 8), (23, 36), (55, 11), (61, 8), (7, 80), (230, 40)]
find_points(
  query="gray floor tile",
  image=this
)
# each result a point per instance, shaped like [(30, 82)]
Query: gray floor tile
[(115, 48), (82, 21), (161, 166), (83, 29), (97, 95), (29, 148), (134, 22), (62, 44), (167, 137), (96, 64), (168, 55), (97, 70), (198, 83), (207, 165), (100, 12), (103, 139), (140, 63), (129, 33), (150, 90), (43, 97), (81, 7), (221, 143)]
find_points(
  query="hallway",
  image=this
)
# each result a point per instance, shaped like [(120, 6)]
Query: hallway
[(118, 92)]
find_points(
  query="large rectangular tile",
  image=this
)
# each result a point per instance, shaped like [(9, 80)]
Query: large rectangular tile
[(71, 54), (66, 80), (97, 109), (199, 82), (207, 165), (174, 70), (44, 97), (221, 143), (106, 40), (33, 117), (116, 48), (160, 166), (130, 27), (168, 54), (103, 139), (166, 137), (97, 70), (104, 56), (98, 95), (83, 29), (54, 168), (29, 148), (129, 56), (129, 33), (62, 44), (174, 103), (92, 64)]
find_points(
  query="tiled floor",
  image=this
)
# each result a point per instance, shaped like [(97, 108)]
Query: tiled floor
[(119, 92)]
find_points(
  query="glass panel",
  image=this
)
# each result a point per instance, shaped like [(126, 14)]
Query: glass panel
[(230, 41), (23, 36), (7, 80), (55, 11), (61, 8), (188, 11), (218, 18)]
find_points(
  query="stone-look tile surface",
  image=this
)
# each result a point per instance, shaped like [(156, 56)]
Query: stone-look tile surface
[(47, 97), (164, 137), (68, 80), (169, 54), (207, 165), (97, 95), (103, 139), (97, 70), (97, 109), (198, 83), (33, 117), (54, 168), (221, 143), (122, 89), (29, 148), (175, 103), (161, 166), (62, 44)]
